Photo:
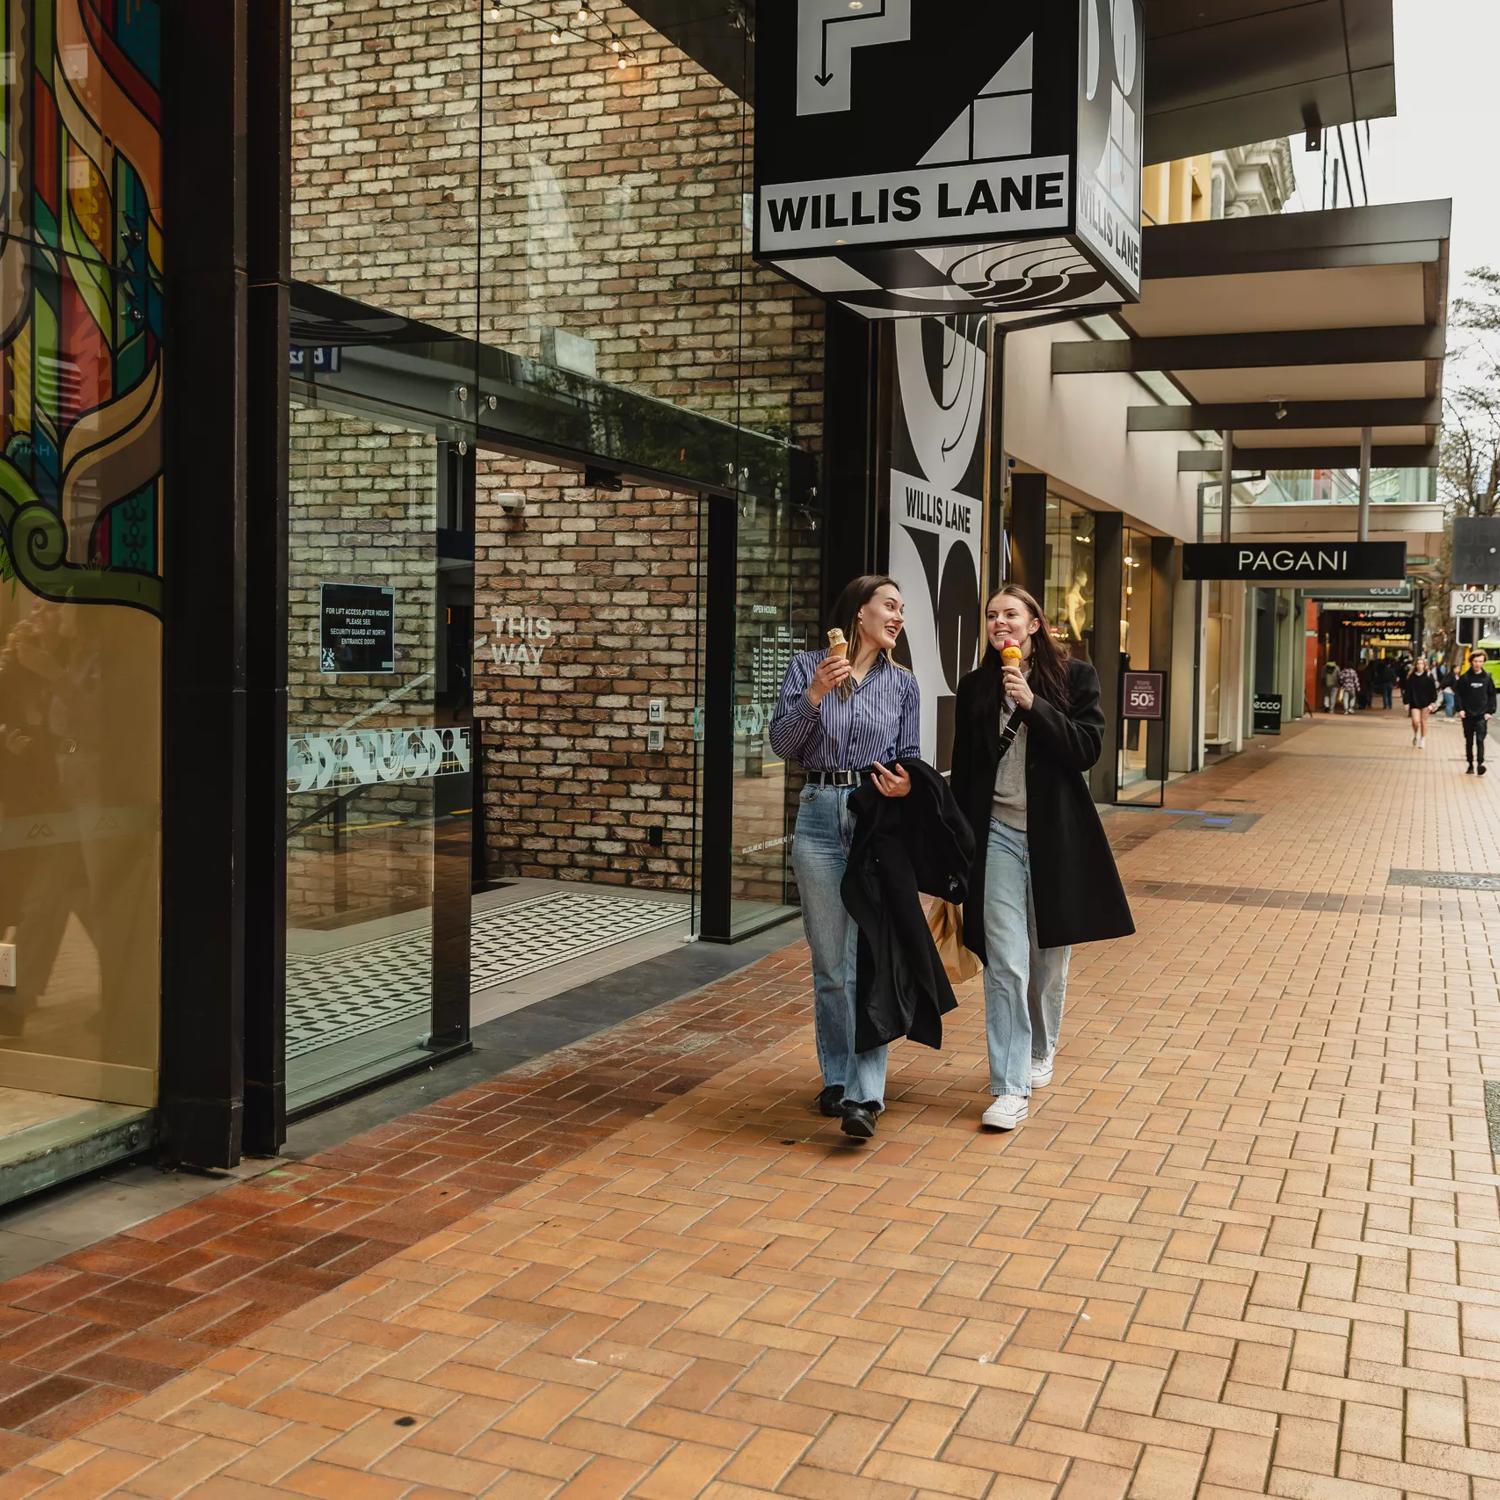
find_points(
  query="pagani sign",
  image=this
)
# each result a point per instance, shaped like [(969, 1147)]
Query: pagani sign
[(951, 156)]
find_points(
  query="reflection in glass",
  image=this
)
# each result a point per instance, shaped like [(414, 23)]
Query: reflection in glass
[(1135, 643), (378, 757), (778, 616)]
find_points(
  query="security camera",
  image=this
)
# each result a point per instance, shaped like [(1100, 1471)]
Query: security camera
[(510, 500), (1281, 411)]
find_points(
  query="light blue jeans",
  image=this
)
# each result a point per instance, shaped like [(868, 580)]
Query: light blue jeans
[(820, 853), (1024, 985)]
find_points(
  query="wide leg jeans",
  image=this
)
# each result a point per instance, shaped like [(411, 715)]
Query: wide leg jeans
[(820, 855), (1024, 986)]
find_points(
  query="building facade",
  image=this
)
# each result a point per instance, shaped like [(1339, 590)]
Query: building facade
[(413, 492)]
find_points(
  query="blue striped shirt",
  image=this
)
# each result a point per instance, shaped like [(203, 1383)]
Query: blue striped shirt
[(880, 720)]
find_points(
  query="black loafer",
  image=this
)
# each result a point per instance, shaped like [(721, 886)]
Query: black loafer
[(831, 1101), (859, 1120)]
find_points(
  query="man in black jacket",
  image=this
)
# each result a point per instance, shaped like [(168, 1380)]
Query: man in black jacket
[(1476, 706)]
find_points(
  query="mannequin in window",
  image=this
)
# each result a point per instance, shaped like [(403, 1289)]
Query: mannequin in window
[(1077, 603)]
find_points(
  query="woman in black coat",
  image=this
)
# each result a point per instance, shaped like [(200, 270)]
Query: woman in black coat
[(1044, 877), (1419, 692)]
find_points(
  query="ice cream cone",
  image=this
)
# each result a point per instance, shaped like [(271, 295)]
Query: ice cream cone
[(837, 645), (1010, 653)]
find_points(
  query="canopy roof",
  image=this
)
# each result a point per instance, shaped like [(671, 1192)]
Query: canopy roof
[(1218, 72), (1293, 333)]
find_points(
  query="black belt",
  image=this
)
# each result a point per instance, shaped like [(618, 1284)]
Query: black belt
[(836, 778)]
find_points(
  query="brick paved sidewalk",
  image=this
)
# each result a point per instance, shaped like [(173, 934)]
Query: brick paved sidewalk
[(1246, 1244)]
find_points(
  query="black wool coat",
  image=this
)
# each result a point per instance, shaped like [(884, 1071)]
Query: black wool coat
[(903, 848), (1074, 884)]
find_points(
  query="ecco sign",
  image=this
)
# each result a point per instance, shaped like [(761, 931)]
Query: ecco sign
[(1293, 562), (952, 155)]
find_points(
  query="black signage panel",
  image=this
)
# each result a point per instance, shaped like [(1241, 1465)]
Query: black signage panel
[(1476, 549), (1144, 695), (357, 629), (1265, 711), (1293, 561), (928, 156)]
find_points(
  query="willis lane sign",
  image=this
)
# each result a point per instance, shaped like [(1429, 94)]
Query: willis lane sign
[(1294, 561), (919, 157)]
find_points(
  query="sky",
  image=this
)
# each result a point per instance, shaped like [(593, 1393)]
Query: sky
[(1445, 139)]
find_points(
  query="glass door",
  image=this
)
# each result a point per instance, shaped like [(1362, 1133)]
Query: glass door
[(379, 763)]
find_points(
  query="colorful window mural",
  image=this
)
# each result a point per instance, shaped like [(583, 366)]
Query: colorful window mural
[(80, 301), (80, 525)]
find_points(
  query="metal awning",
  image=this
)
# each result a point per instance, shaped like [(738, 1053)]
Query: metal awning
[(1293, 333), (1219, 73)]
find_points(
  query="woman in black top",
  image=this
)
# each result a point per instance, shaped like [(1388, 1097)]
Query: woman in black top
[(1419, 693), (1043, 876)]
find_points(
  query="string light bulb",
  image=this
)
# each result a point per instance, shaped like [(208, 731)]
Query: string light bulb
[(621, 65), (557, 38), (614, 46), (583, 15)]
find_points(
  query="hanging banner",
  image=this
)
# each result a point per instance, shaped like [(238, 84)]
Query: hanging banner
[(937, 509), (951, 156)]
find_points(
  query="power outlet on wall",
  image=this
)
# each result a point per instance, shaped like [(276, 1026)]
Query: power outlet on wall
[(7, 966), (656, 739)]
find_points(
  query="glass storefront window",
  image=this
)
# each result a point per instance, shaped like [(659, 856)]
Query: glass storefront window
[(378, 755), (777, 617), (1213, 665), (1135, 644), (1069, 601)]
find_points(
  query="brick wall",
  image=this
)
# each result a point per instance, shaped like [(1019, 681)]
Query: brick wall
[(586, 608), (608, 204), (605, 204)]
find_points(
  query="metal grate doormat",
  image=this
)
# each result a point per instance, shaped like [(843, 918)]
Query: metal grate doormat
[(1225, 822), (1445, 880)]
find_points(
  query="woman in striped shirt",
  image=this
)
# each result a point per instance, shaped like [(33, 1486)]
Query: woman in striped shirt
[(845, 719)]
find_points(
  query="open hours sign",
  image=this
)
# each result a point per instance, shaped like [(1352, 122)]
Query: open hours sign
[(356, 629)]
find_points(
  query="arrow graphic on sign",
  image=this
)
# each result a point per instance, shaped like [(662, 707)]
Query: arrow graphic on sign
[(827, 35)]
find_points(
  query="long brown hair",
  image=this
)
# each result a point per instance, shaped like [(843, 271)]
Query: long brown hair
[(857, 593), (1049, 667)]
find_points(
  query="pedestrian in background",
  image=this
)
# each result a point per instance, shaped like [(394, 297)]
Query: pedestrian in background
[(1448, 686), (1349, 687), (845, 714), (1026, 732), (1475, 692), (1330, 685), (1419, 694), (1387, 681)]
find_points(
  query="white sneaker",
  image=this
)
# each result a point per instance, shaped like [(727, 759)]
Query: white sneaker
[(1422, 743), (1041, 1071), (1005, 1113)]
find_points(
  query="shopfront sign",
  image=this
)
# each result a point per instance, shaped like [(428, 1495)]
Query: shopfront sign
[(1293, 561), (357, 629), (1265, 713), (936, 490), (951, 155), (1476, 604), (1144, 695)]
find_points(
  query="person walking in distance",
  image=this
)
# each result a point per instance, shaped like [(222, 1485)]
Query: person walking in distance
[(1348, 687), (845, 713), (1027, 727), (1475, 692), (1419, 694), (1330, 685)]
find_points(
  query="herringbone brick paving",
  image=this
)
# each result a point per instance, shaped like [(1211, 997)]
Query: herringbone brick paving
[(1246, 1244)]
